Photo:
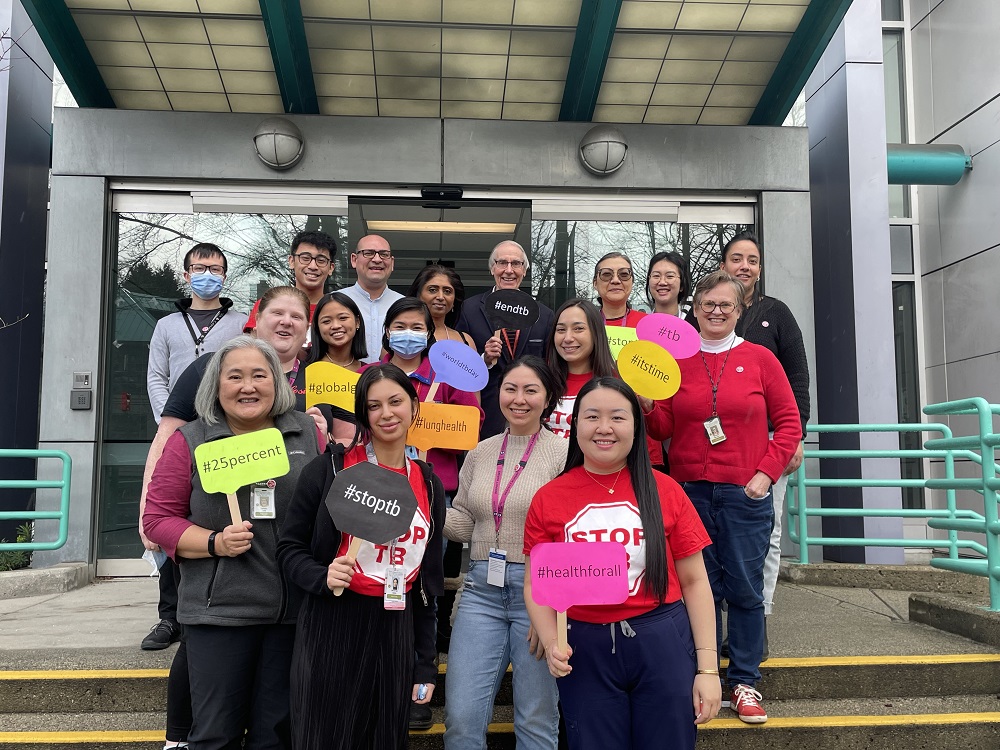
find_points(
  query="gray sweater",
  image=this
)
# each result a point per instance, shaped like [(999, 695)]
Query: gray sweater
[(471, 517), (172, 349)]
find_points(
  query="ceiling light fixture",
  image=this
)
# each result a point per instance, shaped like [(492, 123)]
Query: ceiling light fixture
[(458, 227)]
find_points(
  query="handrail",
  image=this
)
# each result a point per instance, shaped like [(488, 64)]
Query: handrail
[(979, 449), (61, 515)]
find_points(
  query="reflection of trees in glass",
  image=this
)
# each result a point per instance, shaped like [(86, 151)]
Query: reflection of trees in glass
[(157, 282), (565, 253), (256, 246)]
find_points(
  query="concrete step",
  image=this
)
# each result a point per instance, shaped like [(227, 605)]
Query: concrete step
[(898, 723), (139, 690)]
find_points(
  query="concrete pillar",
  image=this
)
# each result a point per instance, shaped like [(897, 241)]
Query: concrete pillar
[(855, 374)]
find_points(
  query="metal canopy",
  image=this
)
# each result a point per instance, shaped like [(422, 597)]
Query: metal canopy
[(713, 62)]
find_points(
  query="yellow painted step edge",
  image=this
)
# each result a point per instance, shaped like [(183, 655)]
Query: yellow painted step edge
[(776, 663), (802, 722)]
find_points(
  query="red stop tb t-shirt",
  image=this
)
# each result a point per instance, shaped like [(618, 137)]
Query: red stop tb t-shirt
[(573, 508)]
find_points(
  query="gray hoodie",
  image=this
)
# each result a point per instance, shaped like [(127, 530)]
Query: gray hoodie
[(172, 348)]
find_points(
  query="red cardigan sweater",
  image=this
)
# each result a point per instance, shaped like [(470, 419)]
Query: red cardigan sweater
[(753, 390)]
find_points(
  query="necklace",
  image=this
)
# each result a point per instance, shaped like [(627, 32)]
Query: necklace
[(328, 358), (611, 489)]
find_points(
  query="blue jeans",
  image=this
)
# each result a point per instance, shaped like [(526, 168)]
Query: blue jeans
[(740, 528), (490, 632)]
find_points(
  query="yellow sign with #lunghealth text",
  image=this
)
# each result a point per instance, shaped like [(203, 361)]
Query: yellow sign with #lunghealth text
[(327, 383), (444, 426)]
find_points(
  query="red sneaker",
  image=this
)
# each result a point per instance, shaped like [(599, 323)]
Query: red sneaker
[(746, 703)]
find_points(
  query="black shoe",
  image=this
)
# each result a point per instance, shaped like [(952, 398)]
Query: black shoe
[(161, 635), (767, 651), (420, 717)]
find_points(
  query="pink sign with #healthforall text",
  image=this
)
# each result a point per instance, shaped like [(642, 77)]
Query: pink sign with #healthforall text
[(567, 574)]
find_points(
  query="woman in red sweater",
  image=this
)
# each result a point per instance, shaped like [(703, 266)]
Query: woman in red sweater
[(722, 455)]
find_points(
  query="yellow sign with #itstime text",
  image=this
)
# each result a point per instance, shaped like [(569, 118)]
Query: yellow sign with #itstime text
[(618, 336), (649, 369), (230, 463), (444, 426), (327, 383)]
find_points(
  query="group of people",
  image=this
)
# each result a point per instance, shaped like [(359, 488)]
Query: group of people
[(272, 656)]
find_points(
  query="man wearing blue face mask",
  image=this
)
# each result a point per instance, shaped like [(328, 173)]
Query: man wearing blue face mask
[(203, 323)]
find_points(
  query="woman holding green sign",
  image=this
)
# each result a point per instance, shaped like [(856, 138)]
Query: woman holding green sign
[(237, 611), (643, 673), (492, 628), (354, 673)]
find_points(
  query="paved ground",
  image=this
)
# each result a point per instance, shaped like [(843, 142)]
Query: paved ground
[(101, 625)]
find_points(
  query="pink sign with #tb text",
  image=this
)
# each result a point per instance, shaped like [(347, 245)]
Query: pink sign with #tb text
[(567, 574), (676, 335)]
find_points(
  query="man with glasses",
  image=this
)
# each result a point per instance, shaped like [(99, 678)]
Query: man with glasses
[(203, 323), (508, 263), (311, 262), (373, 261)]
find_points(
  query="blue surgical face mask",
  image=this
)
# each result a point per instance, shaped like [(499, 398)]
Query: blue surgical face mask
[(206, 285), (408, 344)]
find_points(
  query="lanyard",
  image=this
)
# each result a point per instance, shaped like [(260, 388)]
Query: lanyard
[(715, 382), (294, 374), (505, 333), (199, 340), (499, 501), (373, 459)]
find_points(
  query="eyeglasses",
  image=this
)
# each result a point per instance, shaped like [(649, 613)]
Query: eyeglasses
[(724, 307), (607, 274), (667, 276), (199, 268), (322, 261), (369, 254), (515, 264)]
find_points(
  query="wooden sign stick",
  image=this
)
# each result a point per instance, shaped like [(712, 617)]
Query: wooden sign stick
[(352, 555), (561, 632), (234, 509)]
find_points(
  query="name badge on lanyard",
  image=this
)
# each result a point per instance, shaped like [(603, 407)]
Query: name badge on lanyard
[(496, 572)]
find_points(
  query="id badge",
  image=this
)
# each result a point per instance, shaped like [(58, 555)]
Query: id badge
[(713, 428), (495, 573), (262, 500), (394, 596)]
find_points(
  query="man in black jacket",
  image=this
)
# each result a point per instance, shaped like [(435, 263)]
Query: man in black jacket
[(508, 263)]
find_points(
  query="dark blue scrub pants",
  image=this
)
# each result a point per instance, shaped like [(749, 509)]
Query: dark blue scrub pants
[(631, 692)]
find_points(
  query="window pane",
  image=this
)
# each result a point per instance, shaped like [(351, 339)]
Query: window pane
[(901, 249), (892, 10), (565, 253), (895, 99), (907, 391)]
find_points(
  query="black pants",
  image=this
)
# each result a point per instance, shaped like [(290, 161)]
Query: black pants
[(239, 685), (170, 575)]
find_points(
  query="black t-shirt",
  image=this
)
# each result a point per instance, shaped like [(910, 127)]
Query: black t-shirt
[(202, 319), (180, 403)]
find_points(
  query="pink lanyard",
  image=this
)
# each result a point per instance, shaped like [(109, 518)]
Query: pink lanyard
[(294, 374), (499, 501)]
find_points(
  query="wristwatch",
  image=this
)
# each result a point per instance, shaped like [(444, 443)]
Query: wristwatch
[(211, 544)]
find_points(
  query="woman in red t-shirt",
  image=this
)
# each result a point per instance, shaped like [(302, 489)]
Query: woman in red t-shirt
[(360, 659), (613, 282), (645, 669), (577, 350)]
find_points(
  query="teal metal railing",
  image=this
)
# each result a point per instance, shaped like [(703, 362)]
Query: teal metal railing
[(61, 515), (978, 449)]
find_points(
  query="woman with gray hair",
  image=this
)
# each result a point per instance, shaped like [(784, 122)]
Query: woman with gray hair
[(237, 611), (726, 462)]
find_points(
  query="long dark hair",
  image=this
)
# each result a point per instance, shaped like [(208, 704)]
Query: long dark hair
[(400, 306), (746, 236), (371, 375), (643, 483), (359, 350), (682, 268), (602, 363), (429, 272), (548, 378)]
